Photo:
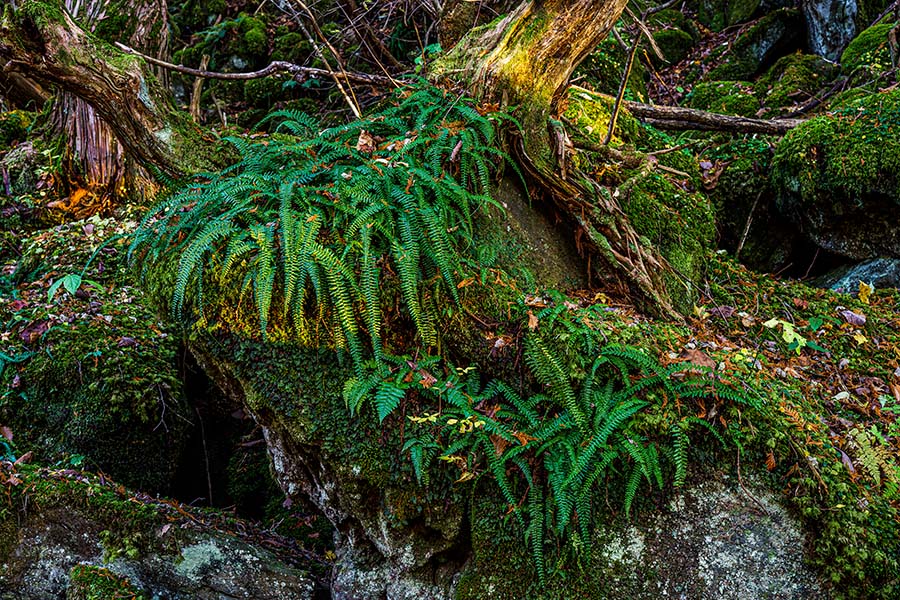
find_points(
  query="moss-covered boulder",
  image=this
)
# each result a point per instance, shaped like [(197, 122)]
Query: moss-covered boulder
[(776, 34), (869, 52), (726, 97), (13, 127), (603, 69), (677, 551), (73, 535), (836, 177), (94, 376), (794, 79)]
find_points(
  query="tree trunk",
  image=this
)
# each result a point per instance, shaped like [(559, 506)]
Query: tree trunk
[(44, 42), (525, 61), (95, 161)]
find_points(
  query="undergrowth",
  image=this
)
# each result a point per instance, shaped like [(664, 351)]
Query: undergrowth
[(312, 223), (596, 412)]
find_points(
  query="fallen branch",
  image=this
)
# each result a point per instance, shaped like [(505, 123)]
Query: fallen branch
[(274, 67), (677, 118)]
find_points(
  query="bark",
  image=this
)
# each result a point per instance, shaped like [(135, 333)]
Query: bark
[(677, 118), (44, 42), (526, 61)]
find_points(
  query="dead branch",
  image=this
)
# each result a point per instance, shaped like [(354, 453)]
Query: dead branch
[(677, 118), (278, 66)]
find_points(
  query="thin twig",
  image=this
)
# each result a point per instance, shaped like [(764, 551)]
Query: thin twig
[(274, 67), (746, 231)]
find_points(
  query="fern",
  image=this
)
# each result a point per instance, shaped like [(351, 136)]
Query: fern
[(309, 221)]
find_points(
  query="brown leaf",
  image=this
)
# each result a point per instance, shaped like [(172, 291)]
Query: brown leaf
[(532, 321), (500, 444), (6, 432), (801, 303), (427, 380), (698, 357), (855, 319), (33, 331), (25, 458), (365, 143)]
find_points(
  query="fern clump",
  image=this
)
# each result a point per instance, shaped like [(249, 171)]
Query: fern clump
[(312, 223), (550, 449)]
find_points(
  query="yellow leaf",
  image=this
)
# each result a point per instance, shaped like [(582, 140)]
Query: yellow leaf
[(860, 338), (865, 290)]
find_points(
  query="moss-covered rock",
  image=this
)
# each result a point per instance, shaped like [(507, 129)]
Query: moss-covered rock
[(97, 378), (837, 177), (13, 127), (604, 67), (392, 533), (719, 14), (674, 44), (86, 536), (776, 34), (794, 79), (677, 551), (726, 97), (869, 51)]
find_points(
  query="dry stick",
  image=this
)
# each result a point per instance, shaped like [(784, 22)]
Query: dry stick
[(277, 66), (352, 102), (621, 93), (743, 240), (197, 90)]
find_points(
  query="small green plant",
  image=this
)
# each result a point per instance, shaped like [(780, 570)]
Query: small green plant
[(314, 223), (559, 444)]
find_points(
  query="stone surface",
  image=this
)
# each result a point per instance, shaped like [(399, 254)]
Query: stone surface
[(879, 272), (831, 24), (209, 566)]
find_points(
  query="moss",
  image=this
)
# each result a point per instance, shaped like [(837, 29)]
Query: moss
[(13, 127), (604, 67), (869, 51), (262, 92), (591, 114), (719, 14), (727, 97), (830, 159), (678, 223), (793, 79), (674, 44), (99, 379), (291, 47), (87, 582), (777, 33)]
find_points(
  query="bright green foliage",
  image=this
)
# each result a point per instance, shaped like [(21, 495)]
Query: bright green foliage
[(830, 159), (727, 97), (869, 51), (310, 225), (563, 441), (87, 582), (795, 78)]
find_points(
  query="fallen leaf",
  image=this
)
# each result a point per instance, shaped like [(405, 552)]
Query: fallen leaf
[(25, 458), (722, 311), (6, 432), (532, 321), (698, 357), (855, 319), (365, 143), (865, 290)]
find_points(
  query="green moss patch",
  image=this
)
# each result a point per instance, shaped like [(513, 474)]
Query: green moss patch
[(726, 97), (88, 582)]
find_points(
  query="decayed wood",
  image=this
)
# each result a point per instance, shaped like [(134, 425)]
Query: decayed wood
[(675, 117), (44, 42)]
